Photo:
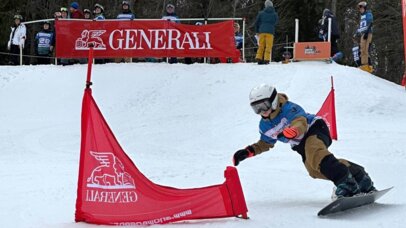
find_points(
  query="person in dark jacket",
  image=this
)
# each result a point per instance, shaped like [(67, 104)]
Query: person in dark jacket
[(87, 14), (170, 15), (265, 29), (44, 43), (335, 33), (126, 13)]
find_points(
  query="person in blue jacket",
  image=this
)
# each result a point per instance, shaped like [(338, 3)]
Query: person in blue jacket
[(44, 43), (265, 29), (308, 135), (364, 31)]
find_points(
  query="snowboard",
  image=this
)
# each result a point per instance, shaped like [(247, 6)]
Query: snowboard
[(345, 203)]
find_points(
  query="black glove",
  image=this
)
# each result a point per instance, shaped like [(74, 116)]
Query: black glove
[(365, 36), (241, 155)]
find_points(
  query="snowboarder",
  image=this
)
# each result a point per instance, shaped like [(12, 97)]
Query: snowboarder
[(265, 29), (365, 33), (308, 134)]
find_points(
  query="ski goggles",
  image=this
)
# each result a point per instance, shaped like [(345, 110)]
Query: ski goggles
[(264, 104), (261, 105)]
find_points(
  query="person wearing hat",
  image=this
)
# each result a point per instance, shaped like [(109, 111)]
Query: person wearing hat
[(323, 31), (64, 13), (87, 14), (75, 12), (17, 39), (170, 14), (98, 12), (364, 31), (284, 121), (44, 43), (126, 13), (265, 28), (238, 39), (57, 14)]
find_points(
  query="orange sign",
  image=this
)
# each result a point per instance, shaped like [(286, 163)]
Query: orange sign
[(311, 51)]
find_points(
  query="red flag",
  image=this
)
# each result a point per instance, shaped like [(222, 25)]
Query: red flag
[(111, 190), (328, 112)]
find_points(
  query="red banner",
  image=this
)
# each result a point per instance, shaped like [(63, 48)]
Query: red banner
[(111, 190), (328, 112), (118, 38)]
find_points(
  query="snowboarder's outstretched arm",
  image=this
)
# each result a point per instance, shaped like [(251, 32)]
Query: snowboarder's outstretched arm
[(250, 151)]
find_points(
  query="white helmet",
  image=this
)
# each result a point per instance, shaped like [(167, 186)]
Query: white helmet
[(362, 4), (263, 98)]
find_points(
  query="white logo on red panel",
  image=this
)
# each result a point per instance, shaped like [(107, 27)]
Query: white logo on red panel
[(110, 173), (90, 38)]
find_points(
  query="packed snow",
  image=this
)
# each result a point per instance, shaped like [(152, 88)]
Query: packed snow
[(181, 124)]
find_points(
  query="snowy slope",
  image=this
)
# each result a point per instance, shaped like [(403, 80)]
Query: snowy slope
[(181, 125)]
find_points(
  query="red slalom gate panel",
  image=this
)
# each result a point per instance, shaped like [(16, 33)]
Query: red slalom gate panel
[(328, 112), (111, 190)]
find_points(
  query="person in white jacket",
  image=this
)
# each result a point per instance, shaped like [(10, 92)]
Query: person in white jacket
[(17, 39)]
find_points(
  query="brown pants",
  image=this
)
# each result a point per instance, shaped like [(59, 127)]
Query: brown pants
[(316, 151), (365, 49)]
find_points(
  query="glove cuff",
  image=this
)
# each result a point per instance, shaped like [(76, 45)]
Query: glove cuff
[(251, 151)]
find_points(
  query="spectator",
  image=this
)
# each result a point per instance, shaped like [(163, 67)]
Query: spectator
[(57, 14), (170, 15), (238, 36), (87, 14), (44, 43), (98, 12), (323, 32), (98, 16), (265, 29), (238, 45), (64, 13), (365, 33), (126, 13), (75, 12), (17, 39)]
